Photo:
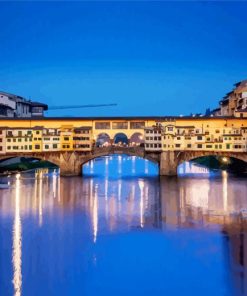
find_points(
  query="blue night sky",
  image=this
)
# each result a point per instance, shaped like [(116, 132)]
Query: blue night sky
[(151, 58)]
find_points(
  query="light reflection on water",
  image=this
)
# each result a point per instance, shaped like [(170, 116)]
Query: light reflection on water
[(134, 235)]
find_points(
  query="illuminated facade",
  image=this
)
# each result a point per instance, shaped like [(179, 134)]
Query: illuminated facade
[(159, 134), (51, 139), (18, 140), (173, 136), (66, 138), (82, 139), (2, 140)]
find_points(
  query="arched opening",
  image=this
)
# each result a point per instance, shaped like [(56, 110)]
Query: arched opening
[(120, 166), (24, 163), (121, 139), (137, 139), (212, 165), (103, 140)]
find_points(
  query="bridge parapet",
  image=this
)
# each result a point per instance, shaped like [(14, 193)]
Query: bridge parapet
[(119, 149)]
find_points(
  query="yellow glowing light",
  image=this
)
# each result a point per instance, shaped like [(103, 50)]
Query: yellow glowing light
[(224, 159), (225, 191), (17, 243), (95, 214), (141, 186)]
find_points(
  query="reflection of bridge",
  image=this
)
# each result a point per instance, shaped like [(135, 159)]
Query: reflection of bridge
[(179, 203), (71, 162)]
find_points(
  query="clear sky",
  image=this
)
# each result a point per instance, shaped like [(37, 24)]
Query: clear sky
[(151, 58)]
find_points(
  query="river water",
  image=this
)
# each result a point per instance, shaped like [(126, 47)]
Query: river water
[(122, 230)]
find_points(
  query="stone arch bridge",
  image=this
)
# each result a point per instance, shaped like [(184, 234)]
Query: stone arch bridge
[(71, 162)]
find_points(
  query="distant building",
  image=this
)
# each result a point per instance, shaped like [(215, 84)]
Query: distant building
[(17, 106), (234, 103), (216, 112)]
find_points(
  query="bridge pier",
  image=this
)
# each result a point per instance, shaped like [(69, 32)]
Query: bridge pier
[(70, 171), (168, 163), (70, 164)]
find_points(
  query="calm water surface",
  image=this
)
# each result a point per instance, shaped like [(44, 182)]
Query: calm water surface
[(122, 230)]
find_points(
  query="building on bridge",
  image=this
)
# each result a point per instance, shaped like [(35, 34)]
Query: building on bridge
[(18, 139), (167, 134), (51, 139), (82, 138), (175, 137), (2, 140)]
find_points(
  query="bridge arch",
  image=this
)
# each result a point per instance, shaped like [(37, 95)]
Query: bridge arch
[(233, 162), (170, 160), (121, 139), (25, 160), (103, 140), (136, 139), (131, 151), (192, 155)]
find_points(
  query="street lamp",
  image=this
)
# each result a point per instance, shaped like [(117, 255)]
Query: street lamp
[(224, 159)]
